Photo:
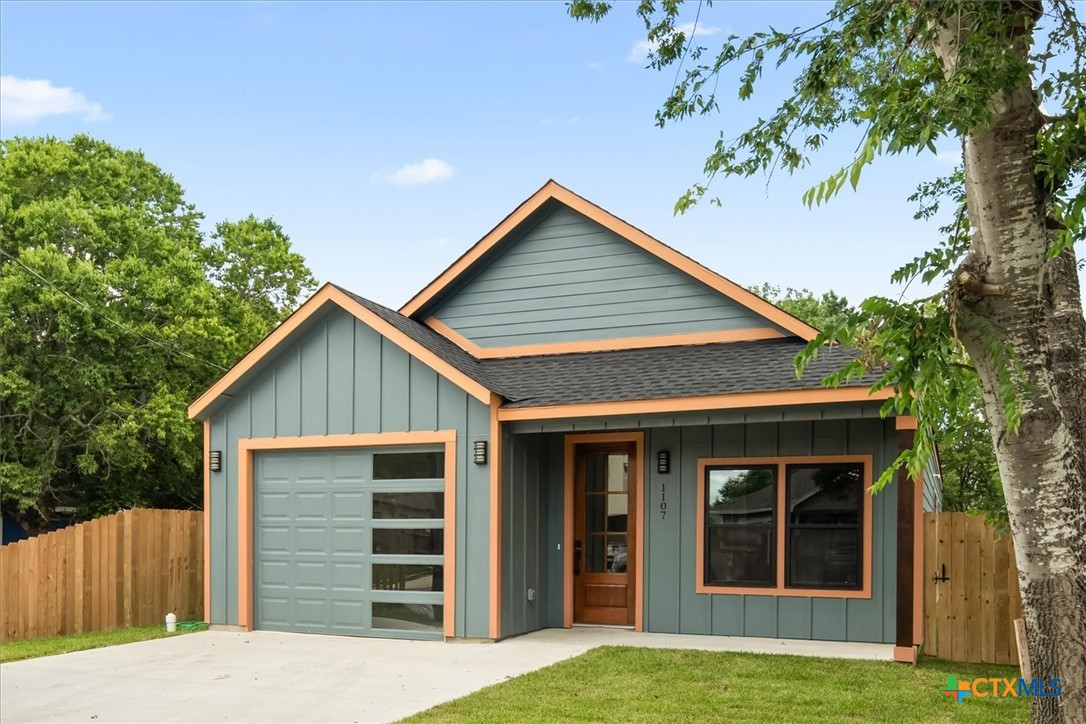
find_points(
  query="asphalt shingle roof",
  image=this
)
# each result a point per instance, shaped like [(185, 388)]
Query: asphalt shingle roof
[(432, 341), (636, 374), (663, 372)]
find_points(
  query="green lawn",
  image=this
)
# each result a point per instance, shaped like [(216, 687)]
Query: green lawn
[(636, 684), (33, 648)]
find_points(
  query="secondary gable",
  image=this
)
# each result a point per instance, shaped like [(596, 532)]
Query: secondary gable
[(567, 279), (415, 339)]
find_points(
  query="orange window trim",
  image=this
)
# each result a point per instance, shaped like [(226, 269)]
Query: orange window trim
[(246, 448), (552, 190), (571, 443), (601, 345), (207, 521), (696, 404), (780, 589), (330, 294)]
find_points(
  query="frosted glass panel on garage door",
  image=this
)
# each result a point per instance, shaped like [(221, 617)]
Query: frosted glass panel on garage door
[(350, 542)]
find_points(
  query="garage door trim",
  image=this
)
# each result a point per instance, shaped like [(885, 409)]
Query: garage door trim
[(246, 448)]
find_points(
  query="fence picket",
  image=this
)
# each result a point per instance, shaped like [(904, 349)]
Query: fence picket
[(118, 570)]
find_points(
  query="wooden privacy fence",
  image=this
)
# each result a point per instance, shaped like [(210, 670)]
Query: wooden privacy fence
[(127, 569), (969, 616)]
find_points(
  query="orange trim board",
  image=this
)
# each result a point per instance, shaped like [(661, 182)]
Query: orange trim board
[(780, 589), (330, 294), (207, 521), (552, 190), (696, 404), (571, 443), (495, 463), (600, 345), (246, 448)]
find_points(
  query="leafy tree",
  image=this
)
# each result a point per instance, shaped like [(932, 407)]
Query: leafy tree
[(821, 312), (970, 473), (1007, 80), (114, 315)]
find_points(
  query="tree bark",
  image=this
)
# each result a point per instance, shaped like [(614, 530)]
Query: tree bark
[(1033, 311)]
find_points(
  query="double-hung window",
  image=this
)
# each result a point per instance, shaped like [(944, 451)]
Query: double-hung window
[(785, 526)]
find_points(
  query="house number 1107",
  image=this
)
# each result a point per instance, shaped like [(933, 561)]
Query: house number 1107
[(663, 500)]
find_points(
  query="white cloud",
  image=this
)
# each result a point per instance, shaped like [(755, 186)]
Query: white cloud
[(424, 172), (560, 121), (642, 48), (595, 65), (26, 101)]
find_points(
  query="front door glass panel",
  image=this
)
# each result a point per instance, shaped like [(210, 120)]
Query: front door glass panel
[(606, 511)]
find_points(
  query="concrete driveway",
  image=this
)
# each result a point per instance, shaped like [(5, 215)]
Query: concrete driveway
[(264, 676)]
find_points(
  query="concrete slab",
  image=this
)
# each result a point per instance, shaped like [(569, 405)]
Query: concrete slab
[(265, 676), (262, 676), (593, 636)]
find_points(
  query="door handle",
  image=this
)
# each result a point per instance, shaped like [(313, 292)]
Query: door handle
[(576, 557)]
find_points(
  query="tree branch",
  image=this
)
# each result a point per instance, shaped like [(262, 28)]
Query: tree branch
[(979, 287)]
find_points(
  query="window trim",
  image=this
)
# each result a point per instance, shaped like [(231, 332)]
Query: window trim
[(780, 589)]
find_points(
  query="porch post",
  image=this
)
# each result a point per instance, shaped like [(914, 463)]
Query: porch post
[(905, 648)]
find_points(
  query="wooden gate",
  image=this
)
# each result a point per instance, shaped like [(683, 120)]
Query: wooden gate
[(971, 596)]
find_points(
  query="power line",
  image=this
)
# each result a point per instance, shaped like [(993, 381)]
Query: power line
[(119, 325)]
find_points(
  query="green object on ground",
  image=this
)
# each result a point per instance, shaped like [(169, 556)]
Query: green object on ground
[(33, 648), (637, 684), (187, 626)]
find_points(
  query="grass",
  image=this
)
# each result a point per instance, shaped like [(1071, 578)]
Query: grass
[(644, 685), (33, 648)]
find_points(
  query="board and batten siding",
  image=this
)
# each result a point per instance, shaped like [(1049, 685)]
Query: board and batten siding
[(533, 488), (568, 279), (340, 376)]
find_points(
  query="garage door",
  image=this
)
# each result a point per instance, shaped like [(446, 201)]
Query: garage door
[(349, 542)]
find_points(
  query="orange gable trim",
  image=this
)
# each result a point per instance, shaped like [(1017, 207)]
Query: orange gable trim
[(696, 404), (329, 293), (552, 190), (600, 345)]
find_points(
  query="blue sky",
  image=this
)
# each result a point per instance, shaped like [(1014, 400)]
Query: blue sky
[(387, 138)]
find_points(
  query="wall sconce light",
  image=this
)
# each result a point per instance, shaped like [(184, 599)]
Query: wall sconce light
[(663, 462), (215, 461), (479, 452)]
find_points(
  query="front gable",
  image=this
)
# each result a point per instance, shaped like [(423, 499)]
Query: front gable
[(562, 275)]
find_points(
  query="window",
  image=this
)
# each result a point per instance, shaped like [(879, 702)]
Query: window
[(825, 507), (408, 466), (785, 526), (741, 523)]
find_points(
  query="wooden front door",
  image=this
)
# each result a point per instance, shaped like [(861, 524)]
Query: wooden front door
[(604, 533)]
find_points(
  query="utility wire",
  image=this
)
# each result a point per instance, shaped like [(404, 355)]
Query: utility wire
[(84, 305)]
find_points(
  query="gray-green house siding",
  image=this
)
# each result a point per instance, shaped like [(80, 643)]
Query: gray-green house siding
[(567, 279), (337, 375), (533, 509)]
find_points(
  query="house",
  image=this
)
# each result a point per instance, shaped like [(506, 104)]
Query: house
[(573, 423)]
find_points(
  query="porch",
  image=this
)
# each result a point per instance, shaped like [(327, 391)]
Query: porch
[(670, 603), (589, 637)]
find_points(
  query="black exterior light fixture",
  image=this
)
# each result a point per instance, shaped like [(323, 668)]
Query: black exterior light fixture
[(663, 462), (479, 452), (214, 462)]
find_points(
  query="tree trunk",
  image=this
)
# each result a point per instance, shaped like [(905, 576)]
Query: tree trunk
[(1009, 297)]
